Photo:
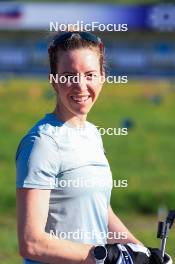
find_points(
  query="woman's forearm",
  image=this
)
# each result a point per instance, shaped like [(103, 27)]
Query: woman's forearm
[(54, 250), (120, 233)]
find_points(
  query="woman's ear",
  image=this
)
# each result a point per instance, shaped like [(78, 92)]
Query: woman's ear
[(103, 76), (52, 82)]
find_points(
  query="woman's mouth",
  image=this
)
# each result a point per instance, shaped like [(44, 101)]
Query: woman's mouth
[(80, 99)]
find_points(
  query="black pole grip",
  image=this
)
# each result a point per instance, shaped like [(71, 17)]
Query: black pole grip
[(171, 218), (161, 229)]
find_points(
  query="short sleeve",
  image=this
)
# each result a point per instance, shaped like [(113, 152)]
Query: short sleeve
[(37, 162)]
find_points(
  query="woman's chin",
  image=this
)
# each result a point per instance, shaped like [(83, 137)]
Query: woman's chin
[(82, 111)]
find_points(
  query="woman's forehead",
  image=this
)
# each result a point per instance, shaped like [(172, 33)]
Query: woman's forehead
[(78, 59)]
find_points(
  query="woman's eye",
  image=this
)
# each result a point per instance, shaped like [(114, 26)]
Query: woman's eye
[(69, 78), (91, 75)]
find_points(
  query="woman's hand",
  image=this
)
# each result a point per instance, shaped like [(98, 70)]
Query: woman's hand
[(133, 253), (127, 253)]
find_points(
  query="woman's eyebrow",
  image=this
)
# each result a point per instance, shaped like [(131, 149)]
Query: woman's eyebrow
[(69, 72), (91, 71)]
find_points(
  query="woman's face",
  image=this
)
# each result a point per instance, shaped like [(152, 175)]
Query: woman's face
[(81, 69)]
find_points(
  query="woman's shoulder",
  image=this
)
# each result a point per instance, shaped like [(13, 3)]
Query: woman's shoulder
[(93, 128), (48, 125), (91, 125), (43, 133)]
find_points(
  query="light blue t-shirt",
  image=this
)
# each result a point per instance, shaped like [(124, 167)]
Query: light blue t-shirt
[(71, 162)]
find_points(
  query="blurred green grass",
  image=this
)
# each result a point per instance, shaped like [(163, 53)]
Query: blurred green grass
[(145, 157)]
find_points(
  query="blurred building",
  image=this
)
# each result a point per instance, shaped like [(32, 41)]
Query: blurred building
[(146, 48)]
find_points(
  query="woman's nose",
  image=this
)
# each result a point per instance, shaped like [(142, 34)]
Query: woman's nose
[(81, 83)]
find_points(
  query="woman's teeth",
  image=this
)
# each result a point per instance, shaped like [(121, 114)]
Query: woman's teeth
[(80, 99)]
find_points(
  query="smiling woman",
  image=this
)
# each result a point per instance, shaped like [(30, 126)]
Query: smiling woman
[(77, 58), (77, 97), (51, 153)]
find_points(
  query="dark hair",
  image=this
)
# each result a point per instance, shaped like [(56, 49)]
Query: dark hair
[(75, 41)]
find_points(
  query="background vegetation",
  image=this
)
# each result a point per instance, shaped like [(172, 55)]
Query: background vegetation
[(145, 157)]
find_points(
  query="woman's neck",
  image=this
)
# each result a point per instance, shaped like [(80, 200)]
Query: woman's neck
[(71, 119)]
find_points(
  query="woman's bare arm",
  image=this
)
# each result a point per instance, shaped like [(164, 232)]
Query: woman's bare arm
[(116, 226), (34, 242)]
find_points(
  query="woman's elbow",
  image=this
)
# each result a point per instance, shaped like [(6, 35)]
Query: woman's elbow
[(26, 250), (29, 248)]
